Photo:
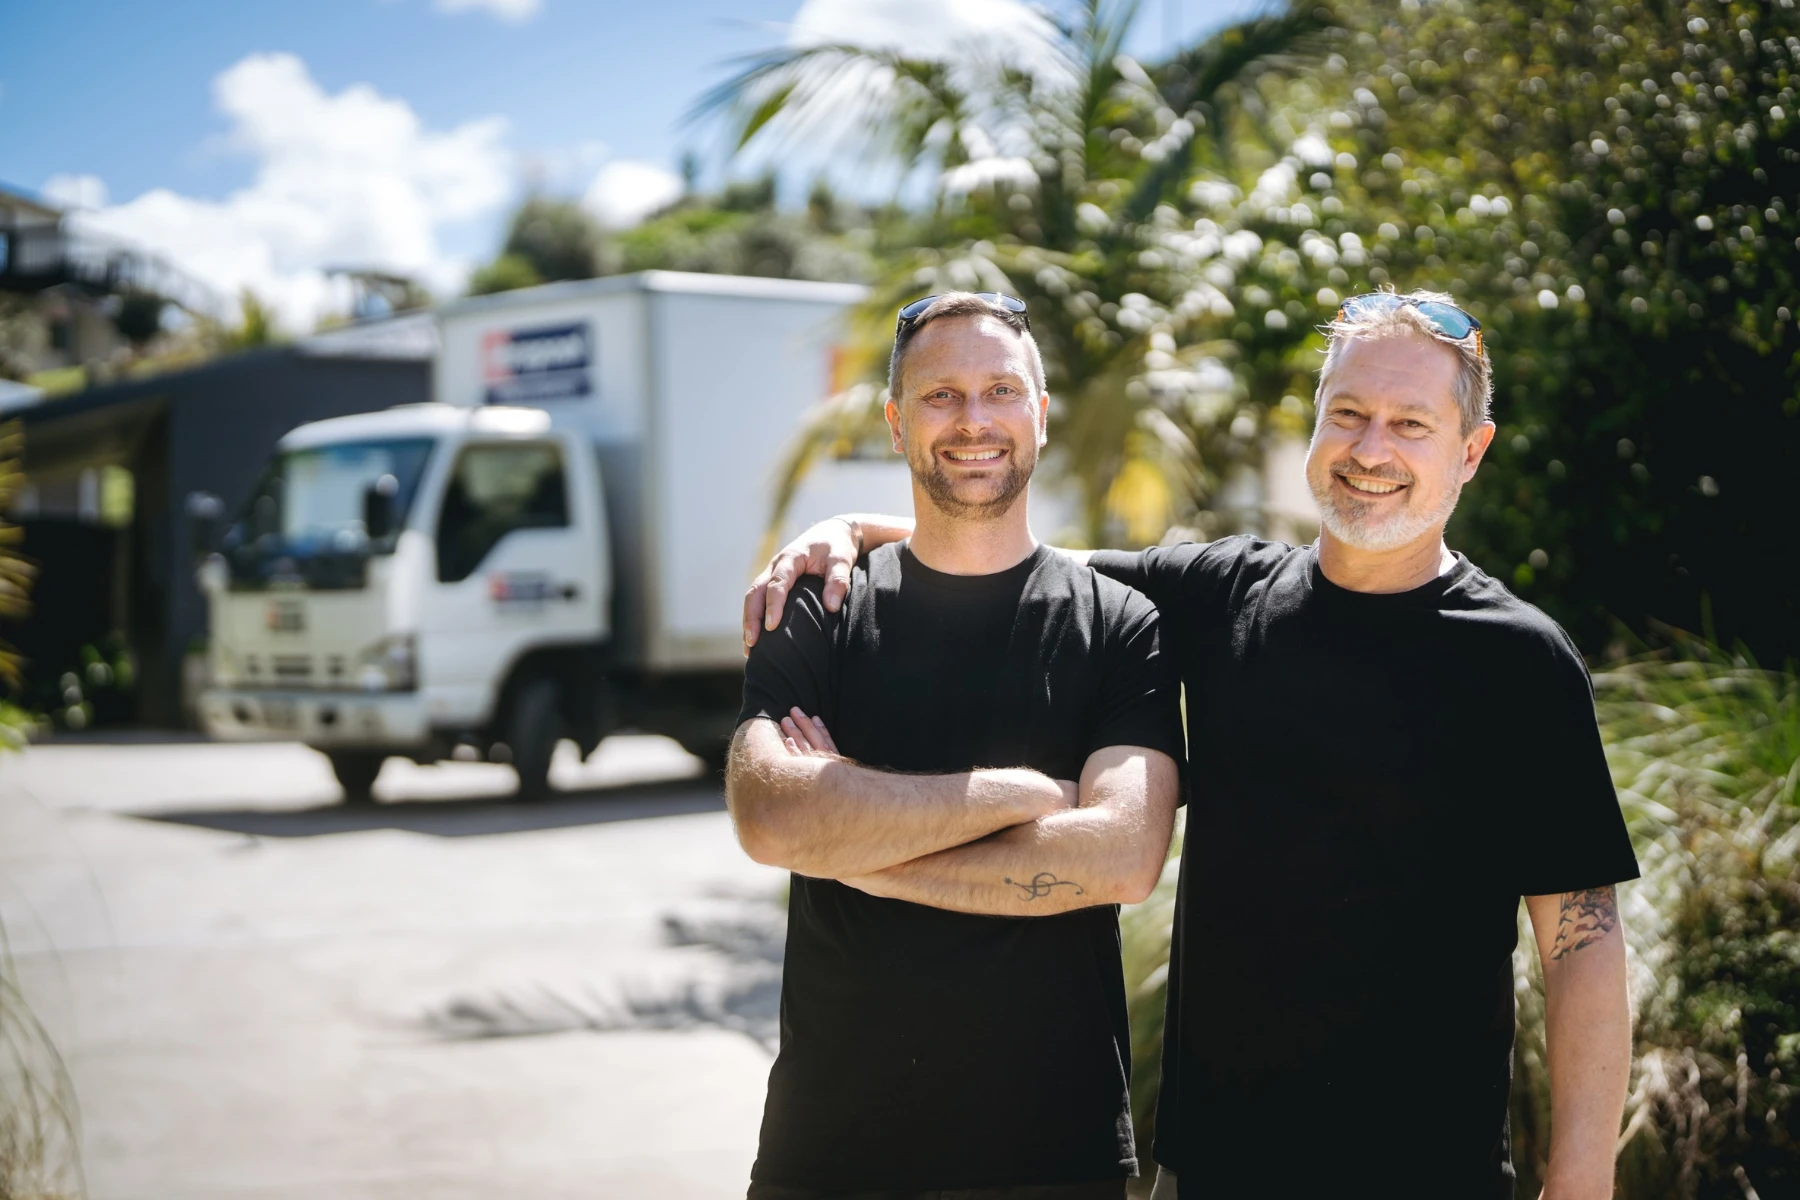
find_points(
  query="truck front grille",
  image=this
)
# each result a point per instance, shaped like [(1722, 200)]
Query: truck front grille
[(294, 669)]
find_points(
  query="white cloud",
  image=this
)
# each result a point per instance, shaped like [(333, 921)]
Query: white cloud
[(934, 29), (506, 10), (625, 192), (345, 180), (75, 191)]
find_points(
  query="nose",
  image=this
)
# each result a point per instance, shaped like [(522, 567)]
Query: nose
[(976, 416), (1374, 444)]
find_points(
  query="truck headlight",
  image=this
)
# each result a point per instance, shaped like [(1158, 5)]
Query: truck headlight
[(390, 665)]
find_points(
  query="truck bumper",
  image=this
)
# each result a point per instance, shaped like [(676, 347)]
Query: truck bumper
[(317, 718)]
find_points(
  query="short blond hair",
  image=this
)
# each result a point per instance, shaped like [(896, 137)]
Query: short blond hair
[(1474, 386)]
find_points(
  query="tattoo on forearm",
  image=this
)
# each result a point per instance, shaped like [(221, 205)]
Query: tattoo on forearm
[(1587, 916), (1042, 884)]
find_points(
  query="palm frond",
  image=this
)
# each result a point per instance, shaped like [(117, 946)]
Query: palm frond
[(1194, 84), (874, 102)]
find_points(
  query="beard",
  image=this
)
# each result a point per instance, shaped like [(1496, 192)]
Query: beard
[(971, 499), (1361, 523)]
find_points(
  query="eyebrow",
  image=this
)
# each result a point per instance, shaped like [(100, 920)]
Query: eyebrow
[(1353, 398), (1020, 381)]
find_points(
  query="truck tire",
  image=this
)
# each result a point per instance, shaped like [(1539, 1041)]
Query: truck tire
[(356, 771), (532, 731)]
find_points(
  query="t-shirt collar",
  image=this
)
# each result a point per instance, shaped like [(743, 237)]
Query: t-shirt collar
[(1425, 595), (914, 569)]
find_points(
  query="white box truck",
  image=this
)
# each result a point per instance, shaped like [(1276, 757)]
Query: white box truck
[(555, 547)]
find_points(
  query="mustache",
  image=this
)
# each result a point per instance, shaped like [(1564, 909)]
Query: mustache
[(1387, 474), (963, 443)]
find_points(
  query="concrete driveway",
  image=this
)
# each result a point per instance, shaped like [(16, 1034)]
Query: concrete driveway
[(261, 994)]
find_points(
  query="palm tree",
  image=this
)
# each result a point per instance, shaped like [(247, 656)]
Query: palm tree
[(1052, 162)]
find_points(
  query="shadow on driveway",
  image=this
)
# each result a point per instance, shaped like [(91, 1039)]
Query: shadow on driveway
[(474, 817)]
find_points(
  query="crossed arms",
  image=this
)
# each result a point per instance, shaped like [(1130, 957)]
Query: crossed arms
[(1580, 942), (1000, 841)]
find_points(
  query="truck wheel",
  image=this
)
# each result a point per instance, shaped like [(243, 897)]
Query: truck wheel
[(532, 732), (356, 771)]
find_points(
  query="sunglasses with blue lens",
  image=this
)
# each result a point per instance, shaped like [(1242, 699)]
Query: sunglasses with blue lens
[(916, 309), (1446, 319)]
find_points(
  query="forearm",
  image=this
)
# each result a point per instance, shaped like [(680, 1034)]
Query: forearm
[(829, 817), (870, 530), (1052, 865), (1587, 1033), (1109, 851)]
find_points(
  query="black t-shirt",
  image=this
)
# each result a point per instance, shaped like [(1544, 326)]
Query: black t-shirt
[(1375, 781), (923, 1048)]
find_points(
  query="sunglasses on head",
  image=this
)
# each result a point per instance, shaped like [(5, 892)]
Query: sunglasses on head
[(916, 309), (1447, 319)]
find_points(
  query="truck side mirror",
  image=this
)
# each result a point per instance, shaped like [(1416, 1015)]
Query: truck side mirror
[(203, 511), (378, 507)]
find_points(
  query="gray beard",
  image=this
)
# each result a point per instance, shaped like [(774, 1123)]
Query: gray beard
[(1345, 520)]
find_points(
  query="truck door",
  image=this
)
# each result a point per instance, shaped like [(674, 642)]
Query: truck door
[(517, 568)]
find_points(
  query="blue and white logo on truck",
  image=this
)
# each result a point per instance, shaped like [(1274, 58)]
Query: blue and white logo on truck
[(548, 362)]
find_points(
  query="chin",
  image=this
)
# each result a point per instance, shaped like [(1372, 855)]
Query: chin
[(1372, 535)]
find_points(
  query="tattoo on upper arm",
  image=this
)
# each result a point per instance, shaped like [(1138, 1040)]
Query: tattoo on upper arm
[(1042, 884), (1586, 917)]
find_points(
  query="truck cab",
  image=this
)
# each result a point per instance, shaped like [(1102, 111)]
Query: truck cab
[(413, 581)]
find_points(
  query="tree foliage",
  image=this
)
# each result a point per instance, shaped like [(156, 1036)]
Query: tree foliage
[(741, 230), (1612, 190), (1609, 189), (548, 239), (1052, 169)]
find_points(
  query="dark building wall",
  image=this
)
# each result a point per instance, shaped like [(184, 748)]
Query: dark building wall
[(207, 430)]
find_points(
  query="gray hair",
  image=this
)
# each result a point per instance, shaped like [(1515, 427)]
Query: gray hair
[(1474, 386), (964, 304)]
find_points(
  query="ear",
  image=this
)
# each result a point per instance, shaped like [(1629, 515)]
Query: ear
[(1474, 447), (1043, 420), (895, 429)]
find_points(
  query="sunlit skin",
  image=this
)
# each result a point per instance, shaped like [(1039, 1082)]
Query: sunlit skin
[(1387, 417), (967, 390)]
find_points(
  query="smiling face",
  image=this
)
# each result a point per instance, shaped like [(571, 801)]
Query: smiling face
[(968, 416), (1389, 458)]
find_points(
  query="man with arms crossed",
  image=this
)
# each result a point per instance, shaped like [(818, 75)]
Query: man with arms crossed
[(1387, 751), (967, 768)]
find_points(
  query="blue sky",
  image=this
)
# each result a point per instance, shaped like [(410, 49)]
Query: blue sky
[(176, 121)]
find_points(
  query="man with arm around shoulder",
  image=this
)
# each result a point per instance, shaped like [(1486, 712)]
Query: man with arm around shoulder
[(967, 766), (1387, 751)]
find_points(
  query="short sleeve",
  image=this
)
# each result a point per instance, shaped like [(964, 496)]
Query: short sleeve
[(1139, 701), (791, 665), (1569, 831), (1161, 572)]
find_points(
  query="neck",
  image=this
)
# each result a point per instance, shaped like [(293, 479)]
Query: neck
[(970, 546), (1401, 569)]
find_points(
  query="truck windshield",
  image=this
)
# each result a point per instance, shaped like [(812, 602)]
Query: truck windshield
[(309, 504)]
